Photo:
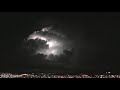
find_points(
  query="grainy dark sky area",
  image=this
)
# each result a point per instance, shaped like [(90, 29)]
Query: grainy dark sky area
[(96, 38)]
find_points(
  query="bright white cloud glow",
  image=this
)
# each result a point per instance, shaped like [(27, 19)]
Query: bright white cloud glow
[(56, 44)]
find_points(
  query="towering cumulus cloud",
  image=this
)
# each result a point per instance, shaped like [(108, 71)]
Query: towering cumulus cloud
[(48, 42)]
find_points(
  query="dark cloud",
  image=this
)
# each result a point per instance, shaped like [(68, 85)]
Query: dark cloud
[(32, 45)]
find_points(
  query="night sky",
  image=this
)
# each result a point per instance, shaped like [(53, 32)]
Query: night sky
[(95, 34)]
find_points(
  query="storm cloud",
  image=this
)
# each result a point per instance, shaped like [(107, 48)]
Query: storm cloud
[(47, 42)]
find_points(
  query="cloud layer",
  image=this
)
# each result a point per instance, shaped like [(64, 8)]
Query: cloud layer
[(48, 42)]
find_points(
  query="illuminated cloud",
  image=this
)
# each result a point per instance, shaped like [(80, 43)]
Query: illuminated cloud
[(56, 41)]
